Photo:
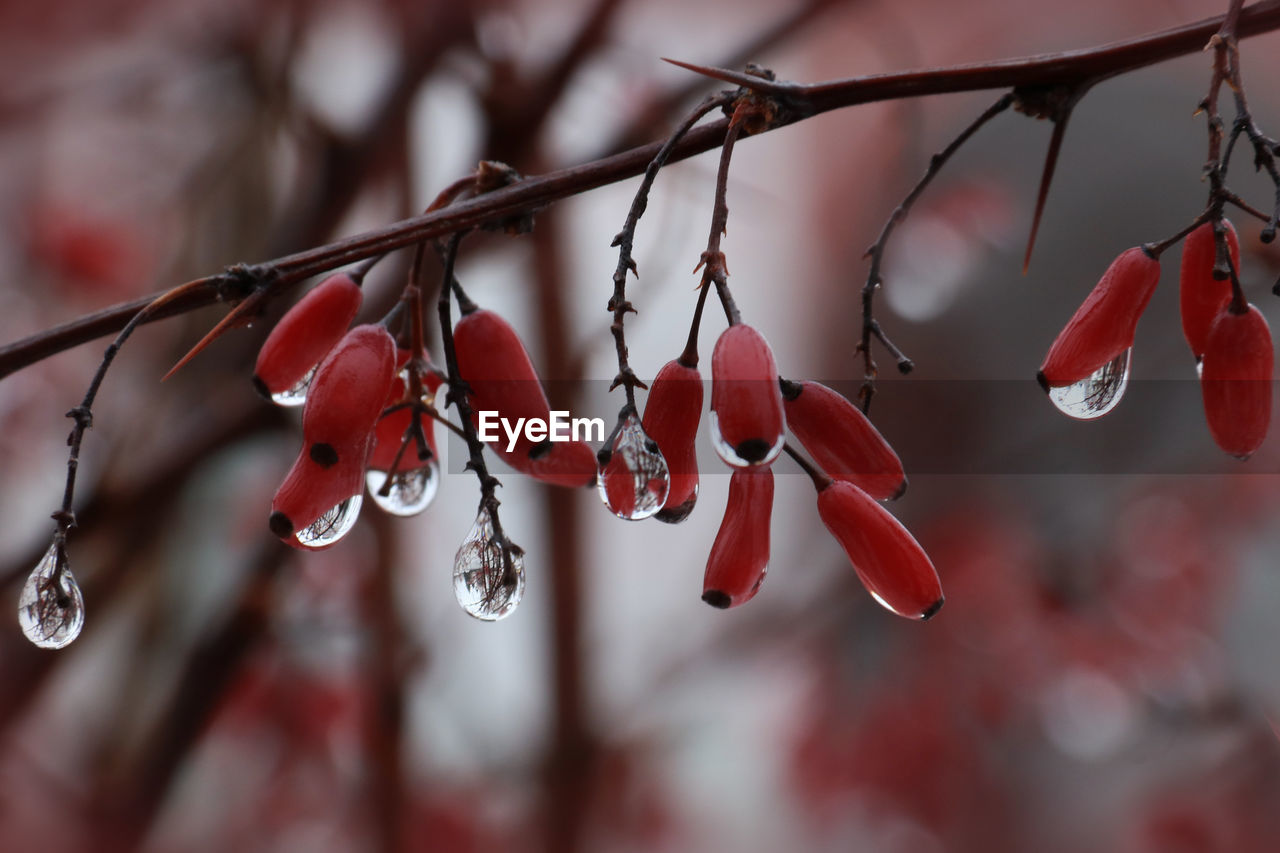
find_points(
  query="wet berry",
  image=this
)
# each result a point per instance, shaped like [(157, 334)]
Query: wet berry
[(889, 561), (1103, 327), (740, 554), (303, 336), (671, 416), (747, 421), (844, 443), (1236, 381)]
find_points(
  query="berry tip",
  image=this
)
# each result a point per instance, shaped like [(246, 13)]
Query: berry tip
[(717, 599)]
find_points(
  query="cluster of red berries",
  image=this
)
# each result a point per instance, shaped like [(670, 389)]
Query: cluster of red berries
[(1087, 367), (751, 409), (356, 416), (362, 425)]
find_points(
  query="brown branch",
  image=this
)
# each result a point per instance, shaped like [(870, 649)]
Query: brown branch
[(870, 327), (1068, 68)]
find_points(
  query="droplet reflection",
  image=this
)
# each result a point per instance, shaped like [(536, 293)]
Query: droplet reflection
[(297, 395), (332, 526), (51, 612), (487, 583), (633, 480), (1096, 394), (411, 491)]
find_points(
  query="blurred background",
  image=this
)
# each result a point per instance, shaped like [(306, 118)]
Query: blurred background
[(1103, 675)]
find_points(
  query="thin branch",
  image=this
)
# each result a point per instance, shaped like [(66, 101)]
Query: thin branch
[(870, 327), (715, 271), (1068, 68), (458, 396)]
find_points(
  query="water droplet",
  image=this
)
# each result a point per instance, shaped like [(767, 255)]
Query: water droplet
[(730, 456), (1097, 394), (51, 614), (297, 395), (634, 481), (485, 585), (331, 526), (1199, 368), (411, 491)]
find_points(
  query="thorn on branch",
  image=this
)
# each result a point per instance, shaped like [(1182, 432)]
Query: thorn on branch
[(1054, 103)]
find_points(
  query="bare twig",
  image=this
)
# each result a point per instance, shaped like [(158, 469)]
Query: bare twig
[(870, 326)]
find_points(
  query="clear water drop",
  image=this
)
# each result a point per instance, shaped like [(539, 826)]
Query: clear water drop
[(51, 613), (297, 395), (1096, 394), (485, 585), (1199, 368), (633, 481), (331, 526), (726, 451), (411, 491)]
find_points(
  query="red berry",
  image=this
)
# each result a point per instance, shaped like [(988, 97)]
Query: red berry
[(740, 555), (671, 416), (1203, 296), (348, 393), (310, 491), (305, 333), (496, 367), (1103, 327), (889, 561), (746, 404), (1236, 381), (844, 443), (571, 464)]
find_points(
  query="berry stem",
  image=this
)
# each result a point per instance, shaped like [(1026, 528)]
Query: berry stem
[(457, 395), (714, 269), (820, 480)]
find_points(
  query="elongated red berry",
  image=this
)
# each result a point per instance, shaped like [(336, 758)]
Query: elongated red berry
[(747, 422), (889, 561), (317, 505), (1103, 326), (496, 367), (740, 555), (348, 393), (303, 336), (671, 416), (1236, 381), (1202, 296), (844, 443)]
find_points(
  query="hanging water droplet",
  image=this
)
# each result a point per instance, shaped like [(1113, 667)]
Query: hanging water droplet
[(486, 585), (331, 526), (411, 491), (726, 451), (633, 480), (297, 395), (1199, 368), (51, 613), (1096, 394)]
